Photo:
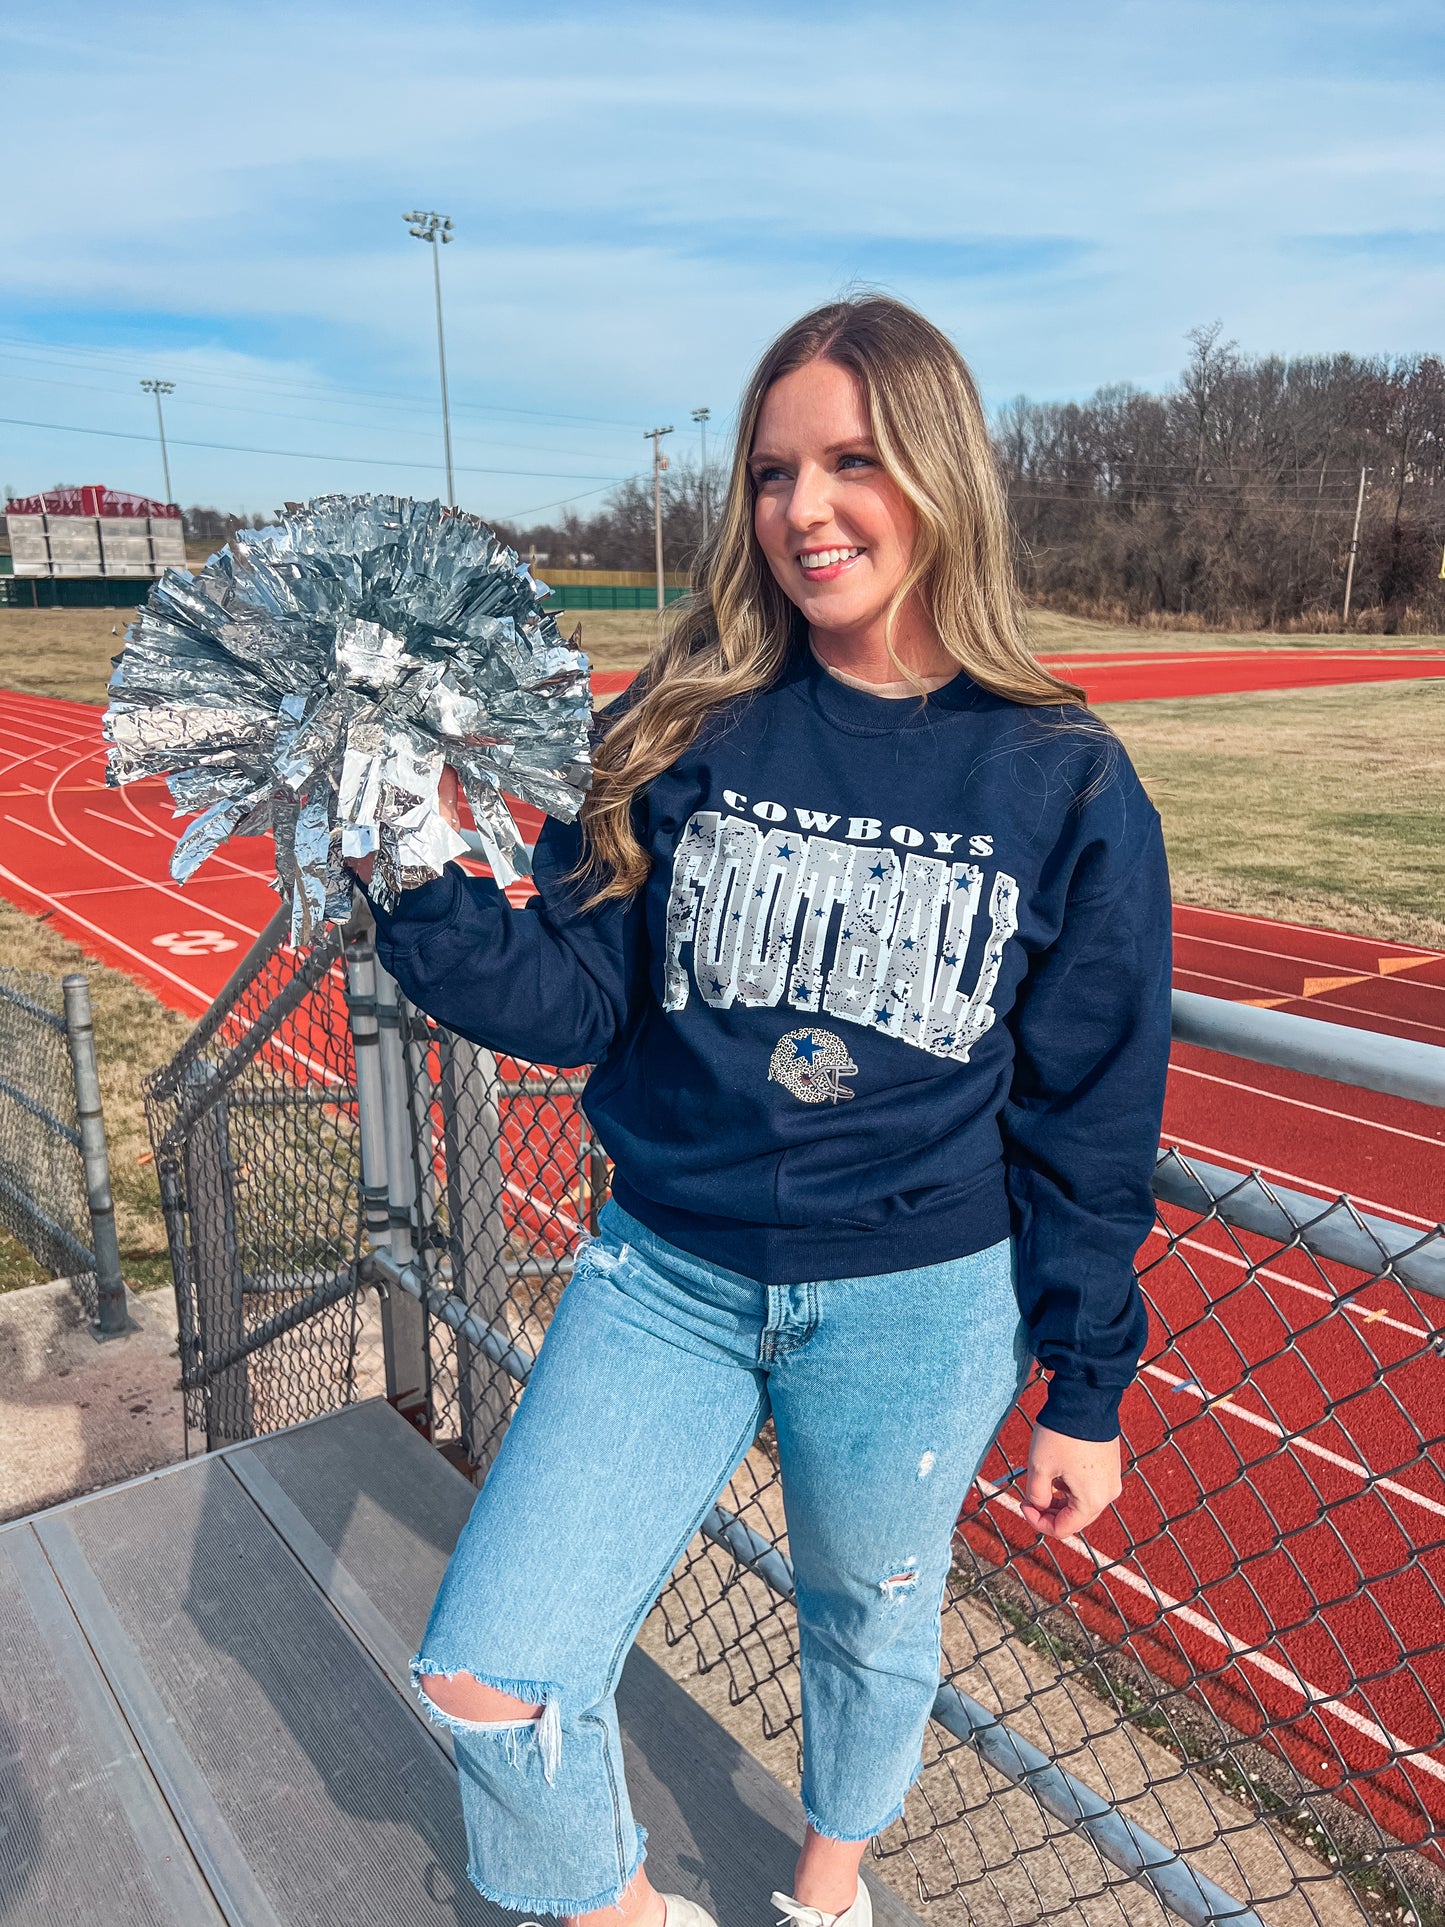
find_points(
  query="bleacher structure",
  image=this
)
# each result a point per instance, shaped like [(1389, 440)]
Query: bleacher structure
[(1225, 1706)]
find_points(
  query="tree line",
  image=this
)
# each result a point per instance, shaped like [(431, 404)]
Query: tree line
[(1228, 500)]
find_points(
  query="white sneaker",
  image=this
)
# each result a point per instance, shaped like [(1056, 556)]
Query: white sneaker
[(795, 1914), (685, 1913)]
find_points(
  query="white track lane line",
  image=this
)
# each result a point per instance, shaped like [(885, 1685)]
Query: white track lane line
[(1221, 1402), (106, 936), (188, 904), (1384, 944), (1313, 1003), (33, 829), (1299, 1104), (1327, 1195), (118, 822), (1318, 1701), (1315, 963), (1349, 1307)]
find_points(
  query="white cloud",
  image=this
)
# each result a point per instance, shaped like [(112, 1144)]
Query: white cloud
[(644, 194)]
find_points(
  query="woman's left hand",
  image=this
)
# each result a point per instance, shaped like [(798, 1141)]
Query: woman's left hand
[(1070, 1482)]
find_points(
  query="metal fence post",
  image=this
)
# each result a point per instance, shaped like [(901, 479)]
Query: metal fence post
[(471, 1113), (370, 1101), (216, 1261), (388, 1179), (112, 1319)]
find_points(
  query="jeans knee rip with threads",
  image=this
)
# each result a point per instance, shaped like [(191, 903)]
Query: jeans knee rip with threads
[(654, 1378)]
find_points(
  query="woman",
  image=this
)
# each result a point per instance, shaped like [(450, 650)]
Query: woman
[(866, 930)]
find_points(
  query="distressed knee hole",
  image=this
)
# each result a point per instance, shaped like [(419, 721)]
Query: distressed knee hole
[(461, 1702), (901, 1582), (464, 1697)]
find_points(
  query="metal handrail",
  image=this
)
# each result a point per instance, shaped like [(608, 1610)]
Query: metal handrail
[(1371, 1060)]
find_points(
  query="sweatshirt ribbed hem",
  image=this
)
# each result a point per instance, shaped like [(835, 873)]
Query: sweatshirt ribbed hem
[(811, 1254)]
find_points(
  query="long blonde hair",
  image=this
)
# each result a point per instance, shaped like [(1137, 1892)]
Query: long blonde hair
[(732, 635)]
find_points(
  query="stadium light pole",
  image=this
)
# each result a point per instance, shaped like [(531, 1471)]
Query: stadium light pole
[(659, 463), (1354, 549), (428, 226), (159, 388), (700, 416)]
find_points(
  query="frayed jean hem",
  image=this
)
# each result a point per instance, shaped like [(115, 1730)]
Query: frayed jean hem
[(559, 1905), (851, 1839)]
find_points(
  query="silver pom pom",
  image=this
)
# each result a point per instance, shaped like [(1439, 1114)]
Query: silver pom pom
[(317, 677)]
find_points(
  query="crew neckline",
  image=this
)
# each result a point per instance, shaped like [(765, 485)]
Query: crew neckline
[(857, 709), (897, 691)]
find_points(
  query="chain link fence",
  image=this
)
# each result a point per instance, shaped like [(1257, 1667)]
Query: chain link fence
[(54, 1171), (1225, 1706)]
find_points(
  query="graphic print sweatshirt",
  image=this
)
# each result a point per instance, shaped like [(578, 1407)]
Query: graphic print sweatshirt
[(898, 985)]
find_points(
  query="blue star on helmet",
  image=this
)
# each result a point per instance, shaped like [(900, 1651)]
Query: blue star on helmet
[(806, 1048)]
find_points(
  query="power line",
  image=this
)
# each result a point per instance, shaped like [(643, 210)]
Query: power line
[(127, 364), (271, 414), (301, 455)]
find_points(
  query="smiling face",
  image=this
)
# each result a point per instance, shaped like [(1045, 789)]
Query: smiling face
[(835, 527)]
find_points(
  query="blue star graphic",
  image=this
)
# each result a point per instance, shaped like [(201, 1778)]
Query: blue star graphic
[(785, 850), (716, 988), (694, 829), (757, 893), (883, 1016), (800, 991), (877, 871), (961, 883), (950, 959), (806, 1048), (908, 943), (947, 1042), (846, 934)]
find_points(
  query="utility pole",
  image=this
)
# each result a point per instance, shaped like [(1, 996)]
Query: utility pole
[(427, 226), (1354, 546), (700, 416), (659, 463), (159, 388)]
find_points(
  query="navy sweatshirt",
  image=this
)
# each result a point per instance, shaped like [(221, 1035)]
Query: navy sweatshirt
[(898, 985)]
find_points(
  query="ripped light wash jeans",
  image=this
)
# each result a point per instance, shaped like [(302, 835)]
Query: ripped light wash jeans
[(649, 1388)]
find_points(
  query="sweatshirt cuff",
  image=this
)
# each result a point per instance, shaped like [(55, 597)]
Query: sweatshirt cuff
[(1080, 1410), (426, 907)]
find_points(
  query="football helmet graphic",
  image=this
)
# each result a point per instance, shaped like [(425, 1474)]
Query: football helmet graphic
[(812, 1065)]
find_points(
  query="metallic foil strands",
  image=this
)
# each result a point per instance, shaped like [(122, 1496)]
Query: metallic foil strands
[(317, 677)]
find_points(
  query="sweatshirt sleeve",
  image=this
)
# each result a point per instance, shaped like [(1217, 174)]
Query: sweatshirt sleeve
[(1081, 1132), (548, 982)]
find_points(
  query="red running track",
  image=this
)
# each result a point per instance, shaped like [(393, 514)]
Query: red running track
[(1210, 672), (1295, 1345)]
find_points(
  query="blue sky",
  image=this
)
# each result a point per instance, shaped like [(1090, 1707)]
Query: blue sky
[(643, 195)]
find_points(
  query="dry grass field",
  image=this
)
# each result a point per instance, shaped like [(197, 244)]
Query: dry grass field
[(134, 1032), (1316, 805), (67, 652)]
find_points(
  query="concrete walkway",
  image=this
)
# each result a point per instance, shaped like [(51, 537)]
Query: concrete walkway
[(75, 1413)]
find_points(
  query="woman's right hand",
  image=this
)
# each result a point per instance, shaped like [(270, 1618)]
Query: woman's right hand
[(449, 792)]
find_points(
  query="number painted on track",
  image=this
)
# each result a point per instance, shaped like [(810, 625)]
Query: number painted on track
[(194, 943)]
